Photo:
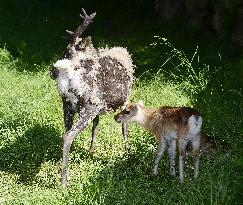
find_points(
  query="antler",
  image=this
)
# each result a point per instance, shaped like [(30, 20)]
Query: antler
[(71, 50), (87, 20)]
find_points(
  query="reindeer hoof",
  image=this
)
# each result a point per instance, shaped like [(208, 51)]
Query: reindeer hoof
[(91, 153), (128, 156), (65, 182), (172, 171), (155, 173)]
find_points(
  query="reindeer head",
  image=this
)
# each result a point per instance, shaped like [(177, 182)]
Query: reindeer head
[(75, 45), (130, 113)]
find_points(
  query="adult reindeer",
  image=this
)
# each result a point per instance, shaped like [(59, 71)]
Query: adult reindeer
[(91, 82)]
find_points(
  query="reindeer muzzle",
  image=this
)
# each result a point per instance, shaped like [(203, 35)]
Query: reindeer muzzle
[(54, 73)]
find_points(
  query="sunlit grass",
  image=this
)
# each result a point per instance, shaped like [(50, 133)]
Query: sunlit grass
[(31, 129)]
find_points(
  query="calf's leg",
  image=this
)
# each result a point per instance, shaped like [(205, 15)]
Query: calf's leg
[(195, 154), (159, 154), (172, 152), (182, 153)]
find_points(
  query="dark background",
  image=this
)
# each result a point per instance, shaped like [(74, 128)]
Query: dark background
[(35, 30)]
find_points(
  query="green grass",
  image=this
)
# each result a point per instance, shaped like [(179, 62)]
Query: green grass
[(31, 143), (207, 75)]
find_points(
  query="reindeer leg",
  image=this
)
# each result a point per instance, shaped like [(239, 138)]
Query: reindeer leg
[(89, 114), (172, 152), (68, 113), (182, 153), (95, 130), (125, 135), (196, 149), (160, 152)]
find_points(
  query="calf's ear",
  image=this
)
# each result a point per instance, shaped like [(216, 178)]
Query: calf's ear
[(140, 103)]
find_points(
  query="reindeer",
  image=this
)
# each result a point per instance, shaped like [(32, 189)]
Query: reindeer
[(172, 126), (90, 82)]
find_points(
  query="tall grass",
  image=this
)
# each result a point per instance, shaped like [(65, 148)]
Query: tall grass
[(189, 74)]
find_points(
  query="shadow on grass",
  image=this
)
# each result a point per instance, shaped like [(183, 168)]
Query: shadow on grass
[(130, 181), (221, 105), (26, 154)]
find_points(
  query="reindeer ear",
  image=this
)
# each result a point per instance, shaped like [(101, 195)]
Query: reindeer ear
[(88, 39), (140, 103), (123, 107)]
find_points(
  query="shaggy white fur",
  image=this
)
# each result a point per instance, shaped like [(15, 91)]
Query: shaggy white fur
[(195, 124), (121, 55), (71, 79)]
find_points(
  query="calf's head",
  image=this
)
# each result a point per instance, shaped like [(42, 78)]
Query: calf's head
[(130, 113)]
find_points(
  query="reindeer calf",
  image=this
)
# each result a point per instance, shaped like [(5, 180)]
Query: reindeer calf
[(171, 125)]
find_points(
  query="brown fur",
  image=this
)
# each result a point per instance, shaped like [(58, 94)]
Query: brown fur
[(171, 125), (165, 118), (172, 118)]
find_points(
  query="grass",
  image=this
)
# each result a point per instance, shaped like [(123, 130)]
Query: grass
[(31, 124), (30, 149)]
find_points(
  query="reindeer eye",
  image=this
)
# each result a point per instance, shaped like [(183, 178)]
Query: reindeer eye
[(127, 112)]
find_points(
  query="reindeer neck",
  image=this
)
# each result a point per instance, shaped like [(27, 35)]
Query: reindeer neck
[(144, 116)]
